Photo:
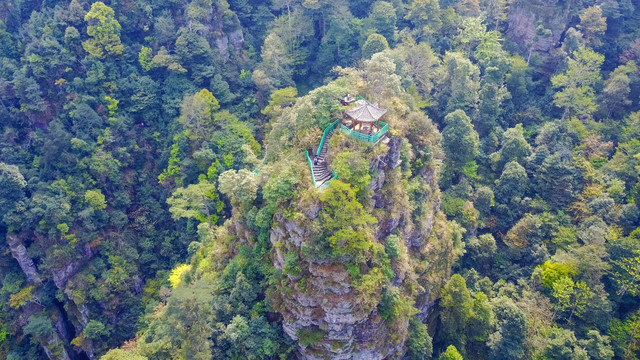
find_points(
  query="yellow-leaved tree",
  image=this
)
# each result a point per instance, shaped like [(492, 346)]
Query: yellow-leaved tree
[(104, 30)]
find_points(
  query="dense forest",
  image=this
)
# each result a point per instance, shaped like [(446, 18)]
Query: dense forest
[(156, 202)]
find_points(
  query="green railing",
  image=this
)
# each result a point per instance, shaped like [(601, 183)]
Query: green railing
[(367, 138), (324, 135), (329, 181), (313, 177)]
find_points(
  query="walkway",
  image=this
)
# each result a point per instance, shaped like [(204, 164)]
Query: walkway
[(320, 169)]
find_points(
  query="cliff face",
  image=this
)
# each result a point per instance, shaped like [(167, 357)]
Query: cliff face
[(537, 26), (221, 29), (324, 305), (19, 252)]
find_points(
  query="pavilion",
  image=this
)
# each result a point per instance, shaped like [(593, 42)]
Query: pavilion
[(365, 117)]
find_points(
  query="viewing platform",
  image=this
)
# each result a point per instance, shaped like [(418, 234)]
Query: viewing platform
[(361, 123)]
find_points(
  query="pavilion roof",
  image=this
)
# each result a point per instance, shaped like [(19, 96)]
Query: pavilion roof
[(366, 112)]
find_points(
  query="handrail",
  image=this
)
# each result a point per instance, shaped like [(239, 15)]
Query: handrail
[(328, 181), (313, 176), (324, 135)]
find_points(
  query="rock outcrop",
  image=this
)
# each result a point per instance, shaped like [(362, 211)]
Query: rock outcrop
[(221, 29), (19, 252), (537, 26), (322, 307)]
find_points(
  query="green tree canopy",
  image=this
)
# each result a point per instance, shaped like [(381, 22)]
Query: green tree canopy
[(375, 43), (459, 140), (577, 83), (104, 30), (197, 115), (450, 354)]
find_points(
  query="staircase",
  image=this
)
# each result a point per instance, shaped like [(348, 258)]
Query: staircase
[(321, 170)]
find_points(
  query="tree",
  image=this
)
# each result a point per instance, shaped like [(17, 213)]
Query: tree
[(382, 20), (28, 92), (514, 147), (192, 201), (471, 33), (482, 250), (197, 115), (345, 222), (628, 278), (353, 169), (220, 89), (422, 62), (12, 185), (120, 354), (459, 84), (381, 80), (558, 180), (561, 344), (425, 15), (554, 271), (239, 186), (483, 200), (145, 58), (279, 99), (340, 40), (492, 95), (480, 326), (38, 325), (237, 330), (577, 94), (625, 336), (104, 30), (570, 296), (199, 9), (495, 11), (277, 64), (94, 330), (419, 346), (375, 43), (593, 24), (20, 298), (507, 342), (95, 199), (457, 310), (597, 346), (615, 95), (459, 140), (450, 354), (189, 317)]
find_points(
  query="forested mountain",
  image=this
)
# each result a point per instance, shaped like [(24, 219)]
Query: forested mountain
[(187, 179)]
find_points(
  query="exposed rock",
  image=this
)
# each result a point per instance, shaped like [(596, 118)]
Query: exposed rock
[(19, 252), (138, 284), (524, 18), (323, 300), (220, 36), (236, 38), (53, 347), (390, 160), (222, 43), (53, 344), (312, 211), (61, 276), (295, 232)]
